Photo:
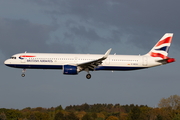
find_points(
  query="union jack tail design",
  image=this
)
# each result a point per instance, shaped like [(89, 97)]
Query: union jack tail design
[(162, 47)]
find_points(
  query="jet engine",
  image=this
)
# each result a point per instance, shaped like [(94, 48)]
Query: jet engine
[(70, 70)]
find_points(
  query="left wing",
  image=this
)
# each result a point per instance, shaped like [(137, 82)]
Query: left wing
[(91, 65)]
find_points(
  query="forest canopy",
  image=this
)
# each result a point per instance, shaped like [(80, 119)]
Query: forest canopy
[(168, 109)]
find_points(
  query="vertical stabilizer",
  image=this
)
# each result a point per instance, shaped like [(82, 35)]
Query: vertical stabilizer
[(161, 49)]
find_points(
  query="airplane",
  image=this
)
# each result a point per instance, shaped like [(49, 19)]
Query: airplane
[(72, 64)]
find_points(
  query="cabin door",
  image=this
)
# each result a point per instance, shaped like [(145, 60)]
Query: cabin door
[(145, 61)]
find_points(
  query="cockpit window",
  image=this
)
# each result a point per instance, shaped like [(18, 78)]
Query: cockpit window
[(13, 57)]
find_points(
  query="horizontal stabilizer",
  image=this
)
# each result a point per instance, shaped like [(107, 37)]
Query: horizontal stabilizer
[(165, 61)]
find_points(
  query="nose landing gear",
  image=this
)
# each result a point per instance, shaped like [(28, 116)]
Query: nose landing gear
[(88, 76), (23, 74)]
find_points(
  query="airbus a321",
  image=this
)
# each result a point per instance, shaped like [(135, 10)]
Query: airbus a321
[(72, 64)]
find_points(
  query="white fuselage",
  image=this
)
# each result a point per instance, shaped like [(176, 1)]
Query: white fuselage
[(57, 61), (72, 64)]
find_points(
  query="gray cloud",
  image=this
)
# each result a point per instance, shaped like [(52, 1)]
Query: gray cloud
[(90, 34), (143, 21), (21, 35)]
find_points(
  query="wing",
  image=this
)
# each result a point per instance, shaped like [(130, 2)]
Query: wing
[(91, 65)]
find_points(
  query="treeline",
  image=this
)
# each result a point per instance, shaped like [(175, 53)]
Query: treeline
[(169, 109)]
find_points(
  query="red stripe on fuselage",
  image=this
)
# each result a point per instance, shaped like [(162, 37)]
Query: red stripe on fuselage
[(166, 40), (26, 56)]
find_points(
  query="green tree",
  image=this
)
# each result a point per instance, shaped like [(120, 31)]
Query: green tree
[(177, 117), (71, 116), (59, 116), (145, 113), (109, 106), (97, 108), (117, 106), (123, 116), (134, 113), (58, 108), (86, 117), (85, 107), (100, 118), (40, 116), (94, 116), (159, 117), (40, 109), (32, 116), (13, 114)]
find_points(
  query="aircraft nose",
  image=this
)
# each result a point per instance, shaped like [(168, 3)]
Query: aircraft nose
[(6, 62)]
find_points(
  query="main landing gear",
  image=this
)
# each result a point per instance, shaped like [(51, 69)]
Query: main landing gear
[(23, 74), (88, 76)]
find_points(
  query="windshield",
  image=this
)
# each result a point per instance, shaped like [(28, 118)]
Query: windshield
[(13, 57)]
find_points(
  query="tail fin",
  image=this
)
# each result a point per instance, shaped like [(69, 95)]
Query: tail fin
[(161, 49)]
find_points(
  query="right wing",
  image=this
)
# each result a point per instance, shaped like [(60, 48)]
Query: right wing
[(91, 65)]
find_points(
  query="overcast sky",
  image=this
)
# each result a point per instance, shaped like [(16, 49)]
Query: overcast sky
[(87, 26)]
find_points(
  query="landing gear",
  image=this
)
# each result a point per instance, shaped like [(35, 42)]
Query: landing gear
[(88, 76), (23, 74)]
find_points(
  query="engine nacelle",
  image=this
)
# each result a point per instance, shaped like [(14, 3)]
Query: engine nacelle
[(169, 60), (70, 70)]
